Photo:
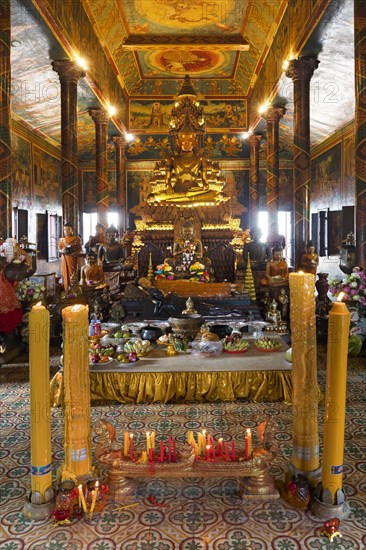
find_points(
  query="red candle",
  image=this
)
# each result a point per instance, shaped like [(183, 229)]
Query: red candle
[(208, 450), (131, 446), (209, 440), (174, 450), (227, 455), (219, 446), (162, 451), (213, 452), (169, 448), (233, 451)]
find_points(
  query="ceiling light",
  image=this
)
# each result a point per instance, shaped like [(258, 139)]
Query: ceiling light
[(129, 137), (81, 62), (285, 64), (263, 108), (245, 135), (111, 110)]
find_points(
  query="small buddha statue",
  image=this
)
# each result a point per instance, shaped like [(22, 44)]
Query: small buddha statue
[(187, 249), (276, 269), (283, 303), (91, 274), (111, 253), (310, 260), (273, 315)]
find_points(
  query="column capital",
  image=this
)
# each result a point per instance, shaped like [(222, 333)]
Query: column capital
[(255, 139), (302, 69), (99, 116), (274, 113), (68, 70), (119, 141)]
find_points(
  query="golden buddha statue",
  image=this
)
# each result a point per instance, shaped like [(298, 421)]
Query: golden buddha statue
[(276, 269)]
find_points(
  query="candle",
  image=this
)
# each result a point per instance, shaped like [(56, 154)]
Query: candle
[(199, 444), (233, 457), (126, 444), (248, 444), (169, 448), (204, 439), (152, 440), (39, 367), (208, 449), (227, 454), (162, 451), (189, 437), (213, 452), (77, 430), (131, 446), (94, 499), (335, 398), (82, 503), (305, 443), (148, 442), (219, 446)]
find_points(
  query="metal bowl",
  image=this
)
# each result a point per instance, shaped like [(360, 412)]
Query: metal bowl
[(221, 330), (186, 326)]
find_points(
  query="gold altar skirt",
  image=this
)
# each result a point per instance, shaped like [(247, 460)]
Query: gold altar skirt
[(128, 387)]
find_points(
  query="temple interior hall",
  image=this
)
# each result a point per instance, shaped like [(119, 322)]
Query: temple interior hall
[(182, 274)]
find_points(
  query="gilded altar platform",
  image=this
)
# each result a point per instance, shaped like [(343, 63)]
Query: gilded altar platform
[(254, 375), (187, 288)]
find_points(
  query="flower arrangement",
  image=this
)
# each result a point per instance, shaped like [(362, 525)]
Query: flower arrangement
[(164, 271), (198, 273), (354, 287), (30, 291)]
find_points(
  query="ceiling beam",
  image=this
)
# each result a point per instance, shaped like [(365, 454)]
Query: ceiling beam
[(234, 43)]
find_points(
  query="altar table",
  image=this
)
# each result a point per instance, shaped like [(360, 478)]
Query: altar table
[(254, 375)]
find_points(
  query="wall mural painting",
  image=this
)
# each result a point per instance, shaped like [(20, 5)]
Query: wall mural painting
[(89, 191), (138, 189), (326, 180), (158, 146), (21, 179), (155, 115), (348, 184), (46, 179)]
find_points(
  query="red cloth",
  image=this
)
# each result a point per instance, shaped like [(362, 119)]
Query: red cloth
[(10, 308)]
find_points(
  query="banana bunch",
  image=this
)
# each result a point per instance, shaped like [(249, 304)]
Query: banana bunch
[(141, 347), (268, 343), (235, 345)]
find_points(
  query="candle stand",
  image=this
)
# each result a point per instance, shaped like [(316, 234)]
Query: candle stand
[(256, 483)]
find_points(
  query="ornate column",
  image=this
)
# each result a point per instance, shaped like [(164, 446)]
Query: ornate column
[(254, 142), (300, 71), (360, 130), (100, 118), (120, 144), (5, 141), (69, 73), (272, 117)]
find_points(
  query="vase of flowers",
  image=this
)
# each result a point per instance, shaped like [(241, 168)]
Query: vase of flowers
[(198, 273), (30, 291), (354, 288), (164, 271)]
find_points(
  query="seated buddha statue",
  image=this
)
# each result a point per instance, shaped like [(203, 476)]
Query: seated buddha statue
[(276, 269), (91, 274), (188, 247), (186, 176), (310, 260), (111, 253)]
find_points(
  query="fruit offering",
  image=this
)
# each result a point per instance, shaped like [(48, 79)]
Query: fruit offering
[(120, 334), (266, 343), (235, 343), (99, 353), (140, 347), (130, 357)]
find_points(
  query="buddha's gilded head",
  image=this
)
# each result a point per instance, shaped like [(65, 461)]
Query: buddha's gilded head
[(187, 230), (187, 141)]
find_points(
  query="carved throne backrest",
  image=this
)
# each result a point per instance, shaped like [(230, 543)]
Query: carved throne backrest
[(223, 263), (143, 258)]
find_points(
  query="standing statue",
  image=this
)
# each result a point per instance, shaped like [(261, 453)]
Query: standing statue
[(310, 260), (111, 254), (70, 248), (96, 240), (10, 308)]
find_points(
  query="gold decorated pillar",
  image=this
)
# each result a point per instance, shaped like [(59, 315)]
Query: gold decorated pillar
[(300, 71), (272, 117), (360, 130), (120, 145), (100, 118), (77, 436), (254, 141), (305, 441), (5, 140), (69, 74)]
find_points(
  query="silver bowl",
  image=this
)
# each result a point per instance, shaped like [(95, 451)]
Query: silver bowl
[(186, 326)]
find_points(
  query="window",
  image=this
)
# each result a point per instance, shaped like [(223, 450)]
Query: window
[(89, 223), (284, 228), (53, 227)]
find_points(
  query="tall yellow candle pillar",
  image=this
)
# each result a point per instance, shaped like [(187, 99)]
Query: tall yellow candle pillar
[(305, 442), (77, 431), (329, 499), (39, 374)]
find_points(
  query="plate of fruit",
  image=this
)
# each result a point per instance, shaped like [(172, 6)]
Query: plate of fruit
[(235, 343), (127, 358), (140, 347), (268, 344), (97, 353), (98, 360)]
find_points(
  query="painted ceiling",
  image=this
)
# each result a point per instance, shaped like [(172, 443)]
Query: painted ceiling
[(138, 52)]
